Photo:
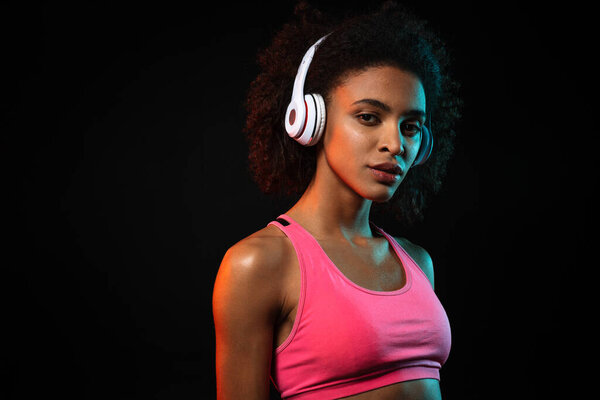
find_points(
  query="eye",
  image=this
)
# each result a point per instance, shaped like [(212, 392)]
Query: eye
[(410, 129), (368, 119)]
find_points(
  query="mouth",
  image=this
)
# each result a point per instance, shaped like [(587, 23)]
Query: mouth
[(389, 168), (386, 173)]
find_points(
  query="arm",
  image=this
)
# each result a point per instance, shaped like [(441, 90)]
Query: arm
[(245, 308)]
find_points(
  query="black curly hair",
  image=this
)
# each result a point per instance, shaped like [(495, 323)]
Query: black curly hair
[(392, 35)]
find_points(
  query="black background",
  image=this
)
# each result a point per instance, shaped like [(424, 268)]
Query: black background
[(125, 173)]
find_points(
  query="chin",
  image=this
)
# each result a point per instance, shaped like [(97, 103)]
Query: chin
[(376, 192), (382, 200), (382, 196)]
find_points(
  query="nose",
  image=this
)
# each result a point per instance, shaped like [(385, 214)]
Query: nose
[(392, 140)]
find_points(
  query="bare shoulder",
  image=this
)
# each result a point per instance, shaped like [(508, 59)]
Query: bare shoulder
[(263, 251), (258, 261), (250, 278), (420, 255)]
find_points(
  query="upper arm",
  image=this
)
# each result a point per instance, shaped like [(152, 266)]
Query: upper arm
[(421, 257), (245, 308)]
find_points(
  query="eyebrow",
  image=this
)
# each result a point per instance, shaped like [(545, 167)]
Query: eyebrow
[(386, 108)]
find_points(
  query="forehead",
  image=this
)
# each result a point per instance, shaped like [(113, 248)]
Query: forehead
[(398, 88)]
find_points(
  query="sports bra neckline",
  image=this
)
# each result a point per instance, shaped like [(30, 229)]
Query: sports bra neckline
[(395, 246)]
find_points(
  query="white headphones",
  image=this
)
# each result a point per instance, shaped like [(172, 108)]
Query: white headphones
[(305, 115)]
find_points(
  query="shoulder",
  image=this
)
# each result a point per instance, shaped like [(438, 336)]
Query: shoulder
[(262, 252), (253, 270), (419, 255)]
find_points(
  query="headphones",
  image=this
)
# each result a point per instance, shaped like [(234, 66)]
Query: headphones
[(305, 115)]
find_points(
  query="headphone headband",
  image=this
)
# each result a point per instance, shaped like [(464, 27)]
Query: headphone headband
[(298, 91)]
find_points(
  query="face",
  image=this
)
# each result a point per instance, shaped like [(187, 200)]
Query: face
[(374, 121)]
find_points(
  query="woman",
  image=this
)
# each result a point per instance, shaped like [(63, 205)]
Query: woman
[(322, 301)]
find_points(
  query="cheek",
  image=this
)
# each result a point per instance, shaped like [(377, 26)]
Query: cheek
[(346, 140), (413, 149)]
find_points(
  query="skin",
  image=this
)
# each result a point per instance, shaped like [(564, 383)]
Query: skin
[(258, 283)]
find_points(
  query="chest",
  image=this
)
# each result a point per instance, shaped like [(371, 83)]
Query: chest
[(377, 268), (347, 330)]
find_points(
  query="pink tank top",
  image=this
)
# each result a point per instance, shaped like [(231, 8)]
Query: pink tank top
[(347, 339)]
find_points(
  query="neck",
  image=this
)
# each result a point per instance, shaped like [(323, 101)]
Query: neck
[(330, 209)]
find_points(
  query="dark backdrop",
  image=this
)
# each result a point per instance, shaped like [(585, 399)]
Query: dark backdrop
[(125, 172)]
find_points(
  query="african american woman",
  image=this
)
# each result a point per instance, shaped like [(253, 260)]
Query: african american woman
[(351, 114)]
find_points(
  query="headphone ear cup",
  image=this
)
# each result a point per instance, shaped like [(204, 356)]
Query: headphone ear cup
[(295, 118), (315, 120), (321, 118), (425, 148)]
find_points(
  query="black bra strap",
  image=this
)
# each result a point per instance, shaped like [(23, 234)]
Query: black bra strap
[(282, 221)]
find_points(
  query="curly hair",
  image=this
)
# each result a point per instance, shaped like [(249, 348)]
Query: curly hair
[(392, 35)]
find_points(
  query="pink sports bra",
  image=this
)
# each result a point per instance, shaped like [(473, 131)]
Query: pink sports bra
[(347, 339)]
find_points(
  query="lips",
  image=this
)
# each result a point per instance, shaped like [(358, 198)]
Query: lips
[(386, 173), (390, 168)]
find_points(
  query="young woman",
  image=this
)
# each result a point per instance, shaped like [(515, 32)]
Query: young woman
[(322, 301)]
